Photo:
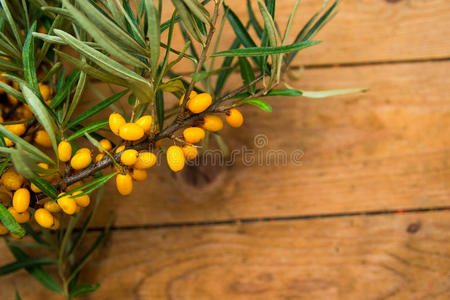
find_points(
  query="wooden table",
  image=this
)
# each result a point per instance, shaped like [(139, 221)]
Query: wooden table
[(363, 214)]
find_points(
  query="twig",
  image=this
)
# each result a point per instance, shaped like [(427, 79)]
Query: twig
[(201, 60)]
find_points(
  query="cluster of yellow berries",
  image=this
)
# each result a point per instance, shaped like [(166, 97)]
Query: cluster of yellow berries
[(133, 163), (17, 198)]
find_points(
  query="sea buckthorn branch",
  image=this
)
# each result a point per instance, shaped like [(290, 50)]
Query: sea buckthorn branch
[(148, 143)]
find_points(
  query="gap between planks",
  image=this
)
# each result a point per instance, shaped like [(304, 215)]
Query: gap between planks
[(274, 219)]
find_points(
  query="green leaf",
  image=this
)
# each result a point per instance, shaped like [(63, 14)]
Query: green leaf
[(45, 187), (11, 22), (174, 85), (99, 35), (9, 222), (109, 26), (160, 109), (37, 272), (28, 59), (88, 129), (262, 51), (290, 21), (41, 113), (17, 295), (84, 289), (285, 92), (91, 71), (27, 146), (27, 262), (10, 90), (97, 108), (65, 89), (258, 103), (97, 182), (253, 19), (154, 35), (76, 98), (247, 73), (225, 64), (24, 164), (141, 87), (324, 94), (188, 20), (198, 10)]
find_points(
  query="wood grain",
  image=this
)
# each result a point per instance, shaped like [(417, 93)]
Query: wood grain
[(363, 31), (385, 149), (375, 257)]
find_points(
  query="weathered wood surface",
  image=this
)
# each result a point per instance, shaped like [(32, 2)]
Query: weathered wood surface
[(363, 30), (385, 149), (363, 257)]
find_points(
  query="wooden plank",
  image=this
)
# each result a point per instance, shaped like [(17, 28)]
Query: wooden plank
[(385, 149), (364, 257), (362, 31)]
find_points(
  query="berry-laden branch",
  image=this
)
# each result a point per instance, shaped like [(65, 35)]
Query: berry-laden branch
[(147, 144)]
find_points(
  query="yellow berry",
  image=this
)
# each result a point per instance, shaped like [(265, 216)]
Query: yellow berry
[(234, 118), (20, 217), (193, 135), (67, 204), (145, 160), (106, 144), (41, 138), (21, 200), (99, 157), (64, 151), (46, 91), (3, 229), (44, 218), (120, 149), (190, 152), (34, 188), (199, 103), (115, 122), (8, 142), (212, 123), (129, 157), (145, 122), (52, 206), (192, 95), (124, 184), (82, 201), (56, 224), (139, 174), (12, 180), (81, 160), (17, 129), (83, 150), (131, 132), (175, 158)]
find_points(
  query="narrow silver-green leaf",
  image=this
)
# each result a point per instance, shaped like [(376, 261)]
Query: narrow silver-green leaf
[(41, 113), (9, 222), (330, 93), (11, 21), (247, 73), (28, 58), (154, 35), (101, 38), (198, 10), (188, 21), (88, 129), (260, 103), (100, 59), (262, 51), (91, 71)]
